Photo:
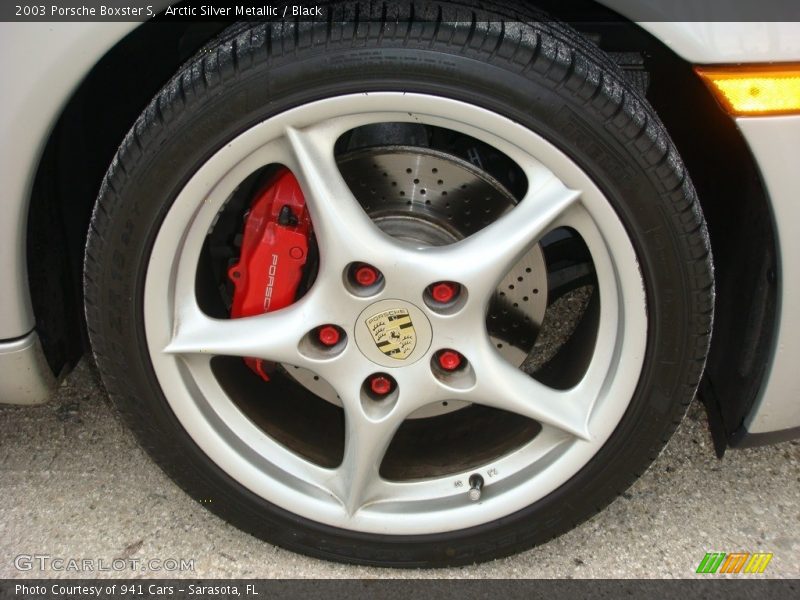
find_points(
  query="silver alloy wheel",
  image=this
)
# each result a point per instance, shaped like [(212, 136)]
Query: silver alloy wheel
[(575, 422)]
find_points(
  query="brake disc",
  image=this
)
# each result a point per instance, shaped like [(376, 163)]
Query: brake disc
[(433, 198)]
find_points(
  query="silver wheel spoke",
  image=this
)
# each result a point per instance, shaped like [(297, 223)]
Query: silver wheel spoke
[(502, 385), (481, 260), (366, 442), (344, 231), (274, 336)]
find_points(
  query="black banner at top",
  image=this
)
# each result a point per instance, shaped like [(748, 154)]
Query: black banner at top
[(269, 10)]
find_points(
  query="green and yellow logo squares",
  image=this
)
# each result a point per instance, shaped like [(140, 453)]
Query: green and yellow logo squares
[(734, 562)]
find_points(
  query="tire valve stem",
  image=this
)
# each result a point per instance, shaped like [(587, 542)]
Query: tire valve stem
[(475, 487)]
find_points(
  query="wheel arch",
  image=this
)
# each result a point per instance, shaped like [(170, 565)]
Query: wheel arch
[(101, 110), (76, 155), (743, 237)]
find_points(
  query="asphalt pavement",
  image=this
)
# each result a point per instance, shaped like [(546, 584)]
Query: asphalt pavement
[(74, 484)]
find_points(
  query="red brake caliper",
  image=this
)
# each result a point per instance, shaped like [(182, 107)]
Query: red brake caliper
[(274, 251)]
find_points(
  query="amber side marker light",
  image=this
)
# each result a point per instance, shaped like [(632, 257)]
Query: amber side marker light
[(755, 90)]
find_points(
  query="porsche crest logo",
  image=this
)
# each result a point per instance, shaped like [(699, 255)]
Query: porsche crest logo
[(393, 332)]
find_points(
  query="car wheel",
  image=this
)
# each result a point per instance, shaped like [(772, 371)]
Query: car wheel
[(411, 293)]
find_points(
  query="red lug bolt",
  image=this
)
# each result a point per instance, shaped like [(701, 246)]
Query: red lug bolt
[(449, 360), (329, 335), (380, 385), (444, 291), (365, 275)]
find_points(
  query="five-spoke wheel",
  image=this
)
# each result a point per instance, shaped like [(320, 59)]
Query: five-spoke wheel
[(417, 289)]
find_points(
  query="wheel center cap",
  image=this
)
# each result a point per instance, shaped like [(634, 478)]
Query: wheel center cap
[(393, 333)]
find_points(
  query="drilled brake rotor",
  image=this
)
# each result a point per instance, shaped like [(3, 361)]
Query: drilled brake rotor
[(433, 198)]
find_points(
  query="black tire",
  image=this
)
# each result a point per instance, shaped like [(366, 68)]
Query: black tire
[(541, 74)]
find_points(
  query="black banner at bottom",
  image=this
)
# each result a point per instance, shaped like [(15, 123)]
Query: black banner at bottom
[(400, 589)]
